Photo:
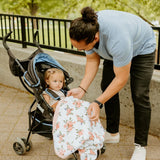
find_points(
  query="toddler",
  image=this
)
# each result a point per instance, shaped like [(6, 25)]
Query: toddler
[(72, 128), (54, 79)]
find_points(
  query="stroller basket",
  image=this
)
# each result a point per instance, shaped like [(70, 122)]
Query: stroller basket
[(41, 126)]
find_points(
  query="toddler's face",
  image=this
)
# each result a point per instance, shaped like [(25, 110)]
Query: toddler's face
[(55, 81)]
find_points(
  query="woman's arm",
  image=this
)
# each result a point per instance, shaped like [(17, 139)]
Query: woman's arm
[(121, 78), (91, 69)]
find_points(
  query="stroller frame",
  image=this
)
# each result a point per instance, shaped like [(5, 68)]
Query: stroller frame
[(18, 68)]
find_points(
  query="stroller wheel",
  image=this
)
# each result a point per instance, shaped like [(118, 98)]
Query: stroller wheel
[(28, 145), (74, 156), (19, 146), (103, 149)]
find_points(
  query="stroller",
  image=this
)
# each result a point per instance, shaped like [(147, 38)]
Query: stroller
[(31, 74)]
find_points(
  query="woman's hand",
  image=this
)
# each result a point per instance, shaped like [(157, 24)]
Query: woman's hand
[(76, 93), (93, 112)]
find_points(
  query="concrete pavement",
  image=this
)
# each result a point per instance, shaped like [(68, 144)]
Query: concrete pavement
[(14, 105)]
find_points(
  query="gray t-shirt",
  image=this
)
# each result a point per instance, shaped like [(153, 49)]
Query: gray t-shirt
[(122, 37)]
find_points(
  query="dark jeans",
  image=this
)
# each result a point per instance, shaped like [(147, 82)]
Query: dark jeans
[(140, 77)]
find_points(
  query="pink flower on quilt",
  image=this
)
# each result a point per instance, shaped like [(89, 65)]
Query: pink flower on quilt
[(79, 119), (98, 137), (61, 138), (91, 152), (69, 110), (57, 125), (77, 104), (62, 151), (69, 125), (91, 137), (82, 142), (80, 132), (81, 151), (69, 147)]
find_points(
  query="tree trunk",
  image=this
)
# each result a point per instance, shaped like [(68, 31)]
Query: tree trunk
[(33, 10)]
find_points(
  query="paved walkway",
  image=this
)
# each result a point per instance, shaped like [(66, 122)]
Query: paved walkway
[(14, 105)]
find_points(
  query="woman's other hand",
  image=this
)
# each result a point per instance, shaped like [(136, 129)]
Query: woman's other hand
[(93, 112)]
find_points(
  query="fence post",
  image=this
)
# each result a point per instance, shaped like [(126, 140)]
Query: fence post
[(158, 52), (23, 33)]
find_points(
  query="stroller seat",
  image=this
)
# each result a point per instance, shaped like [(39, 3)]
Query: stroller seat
[(40, 118)]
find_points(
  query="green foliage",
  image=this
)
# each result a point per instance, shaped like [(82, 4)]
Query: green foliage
[(19, 6), (11, 6), (146, 9)]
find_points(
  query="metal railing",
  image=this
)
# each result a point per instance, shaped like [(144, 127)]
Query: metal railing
[(157, 58), (53, 33)]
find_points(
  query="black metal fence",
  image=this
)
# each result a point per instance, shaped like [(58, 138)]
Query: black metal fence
[(53, 33)]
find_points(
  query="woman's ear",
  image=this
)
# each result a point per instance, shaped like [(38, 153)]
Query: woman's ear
[(96, 38)]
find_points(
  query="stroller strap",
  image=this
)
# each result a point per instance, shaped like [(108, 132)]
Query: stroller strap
[(52, 94)]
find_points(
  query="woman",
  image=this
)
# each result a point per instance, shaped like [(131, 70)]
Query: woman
[(127, 44)]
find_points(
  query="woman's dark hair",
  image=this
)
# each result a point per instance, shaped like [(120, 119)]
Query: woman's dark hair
[(85, 27)]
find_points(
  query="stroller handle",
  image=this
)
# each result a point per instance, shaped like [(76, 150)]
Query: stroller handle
[(35, 42), (6, 46), (35, 35), (5, 39)]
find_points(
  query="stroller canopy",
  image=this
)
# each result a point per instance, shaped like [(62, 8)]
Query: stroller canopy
[(40, 63)]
